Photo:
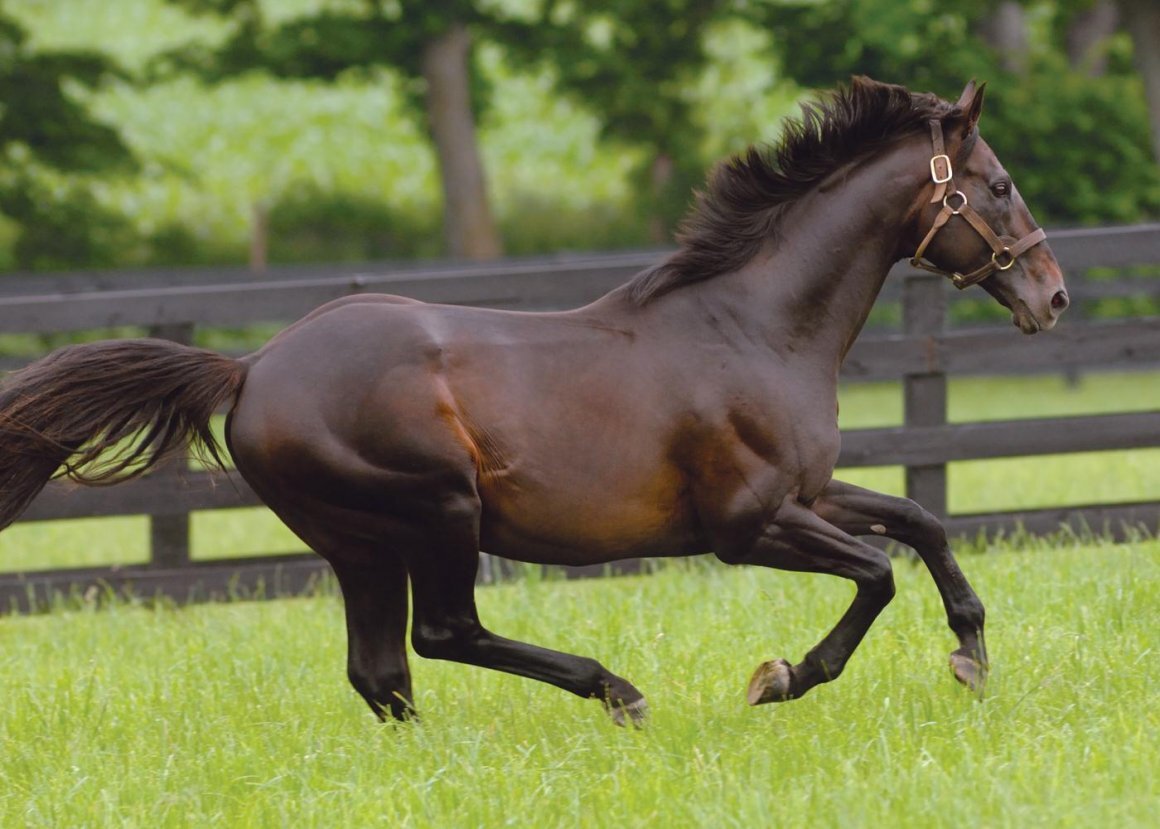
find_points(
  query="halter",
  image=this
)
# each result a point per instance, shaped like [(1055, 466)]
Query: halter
[(1004, 249)]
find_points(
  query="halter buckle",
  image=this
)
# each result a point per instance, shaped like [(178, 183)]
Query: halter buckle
[(940, 169), (959, 280)]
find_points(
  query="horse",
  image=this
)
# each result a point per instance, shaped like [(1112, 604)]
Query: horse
[(691, 410)]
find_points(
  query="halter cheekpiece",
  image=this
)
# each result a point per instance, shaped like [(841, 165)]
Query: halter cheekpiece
[(1004, 249)]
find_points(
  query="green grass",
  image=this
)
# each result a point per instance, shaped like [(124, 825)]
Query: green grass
[(240, 714)]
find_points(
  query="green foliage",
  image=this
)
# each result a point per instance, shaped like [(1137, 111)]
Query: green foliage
[(67, 228), (324, 43), (584, 98), (46, 131), (1077, 146), (308, 224), (633, 63)]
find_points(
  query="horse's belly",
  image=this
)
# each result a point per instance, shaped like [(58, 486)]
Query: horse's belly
[(584, 526)]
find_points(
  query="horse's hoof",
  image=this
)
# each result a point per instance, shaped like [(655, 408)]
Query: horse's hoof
[(969, 671), (770, 683), (629, 712)]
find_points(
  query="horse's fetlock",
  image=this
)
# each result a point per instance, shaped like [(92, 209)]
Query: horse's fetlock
[(967, 615)]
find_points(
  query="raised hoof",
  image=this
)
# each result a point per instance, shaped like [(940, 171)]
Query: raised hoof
[(969, 671), (770, 683), (631, 712)]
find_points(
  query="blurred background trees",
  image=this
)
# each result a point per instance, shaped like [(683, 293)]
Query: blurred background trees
[(50, 144), (165, 131)]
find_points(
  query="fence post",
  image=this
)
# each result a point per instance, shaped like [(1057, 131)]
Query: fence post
[(924, 313), (169, 534)]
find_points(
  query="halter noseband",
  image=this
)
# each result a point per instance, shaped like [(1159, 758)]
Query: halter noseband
[(1004, 249)]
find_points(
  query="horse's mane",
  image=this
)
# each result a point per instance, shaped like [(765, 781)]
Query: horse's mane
[(746, 195)]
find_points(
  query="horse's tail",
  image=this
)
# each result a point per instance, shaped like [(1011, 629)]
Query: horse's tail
[(106, 412)]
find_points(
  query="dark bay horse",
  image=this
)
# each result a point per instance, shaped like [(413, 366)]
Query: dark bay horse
[(692, 410)]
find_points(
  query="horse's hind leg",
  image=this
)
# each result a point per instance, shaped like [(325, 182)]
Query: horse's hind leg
[(375, 599), (864, 512), (373, 580), (447, 626)]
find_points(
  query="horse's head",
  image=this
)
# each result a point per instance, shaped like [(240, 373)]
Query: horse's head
[(976, 228)]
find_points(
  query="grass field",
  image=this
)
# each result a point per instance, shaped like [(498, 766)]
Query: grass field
[(240, 714)]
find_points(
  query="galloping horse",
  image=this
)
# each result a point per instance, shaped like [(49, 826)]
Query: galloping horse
[(691, 410)]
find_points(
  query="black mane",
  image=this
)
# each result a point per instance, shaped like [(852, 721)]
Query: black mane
[(746, 194)]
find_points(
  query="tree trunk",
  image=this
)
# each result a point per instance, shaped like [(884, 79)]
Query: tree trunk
[(1006, 32), (1087, 32), (468, 225), (660, 176), (1142, 19)]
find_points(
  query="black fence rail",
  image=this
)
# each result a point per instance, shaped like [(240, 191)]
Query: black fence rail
[(923, 355)]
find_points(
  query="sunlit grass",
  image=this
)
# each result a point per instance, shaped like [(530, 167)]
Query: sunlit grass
[(240, 714)]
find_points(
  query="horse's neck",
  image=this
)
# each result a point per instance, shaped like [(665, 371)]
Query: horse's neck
[(812, 291)]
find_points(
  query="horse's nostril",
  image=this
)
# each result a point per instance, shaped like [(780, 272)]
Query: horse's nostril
[(1059, 301)]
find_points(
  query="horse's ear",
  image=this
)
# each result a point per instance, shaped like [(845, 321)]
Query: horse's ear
[(971, 105)]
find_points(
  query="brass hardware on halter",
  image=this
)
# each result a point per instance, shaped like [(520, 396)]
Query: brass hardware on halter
[(942, 162), (1001, 246), (955, 210), (1005, 251)]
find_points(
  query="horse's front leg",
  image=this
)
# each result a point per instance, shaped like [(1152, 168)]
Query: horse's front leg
[(864, 512), (798, 539)]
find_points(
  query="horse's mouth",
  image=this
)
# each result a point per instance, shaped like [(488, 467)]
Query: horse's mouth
[(1024, 320)]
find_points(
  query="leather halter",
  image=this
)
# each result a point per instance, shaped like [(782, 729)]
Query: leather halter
[(1004, 249)]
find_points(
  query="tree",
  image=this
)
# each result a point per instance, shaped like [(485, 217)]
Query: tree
[(45, 130), (430, 43), (1142, 20), (630, 62), (1078, 145)]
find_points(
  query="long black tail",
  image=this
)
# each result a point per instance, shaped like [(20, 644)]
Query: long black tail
[(107, 412)]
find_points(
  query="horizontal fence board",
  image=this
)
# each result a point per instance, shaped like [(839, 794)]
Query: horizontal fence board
[(891, 446), (232, 296), (272, 576), (299, 573), (1119, 521), (927, 445), (152, 495), (1115, 345), (525, 287), (260, 577)]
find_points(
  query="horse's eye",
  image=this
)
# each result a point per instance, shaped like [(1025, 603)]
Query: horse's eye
[(1001, 188)]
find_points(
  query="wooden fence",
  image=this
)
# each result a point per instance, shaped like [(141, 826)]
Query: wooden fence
[(923, 354)]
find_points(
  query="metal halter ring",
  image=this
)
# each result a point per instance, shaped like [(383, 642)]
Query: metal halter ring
[(1005, 251), (955, 210)]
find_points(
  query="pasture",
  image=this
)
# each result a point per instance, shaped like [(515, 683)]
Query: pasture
[(240, 715)]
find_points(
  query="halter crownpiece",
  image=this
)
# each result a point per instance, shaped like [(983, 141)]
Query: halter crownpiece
[(1004, 249)]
